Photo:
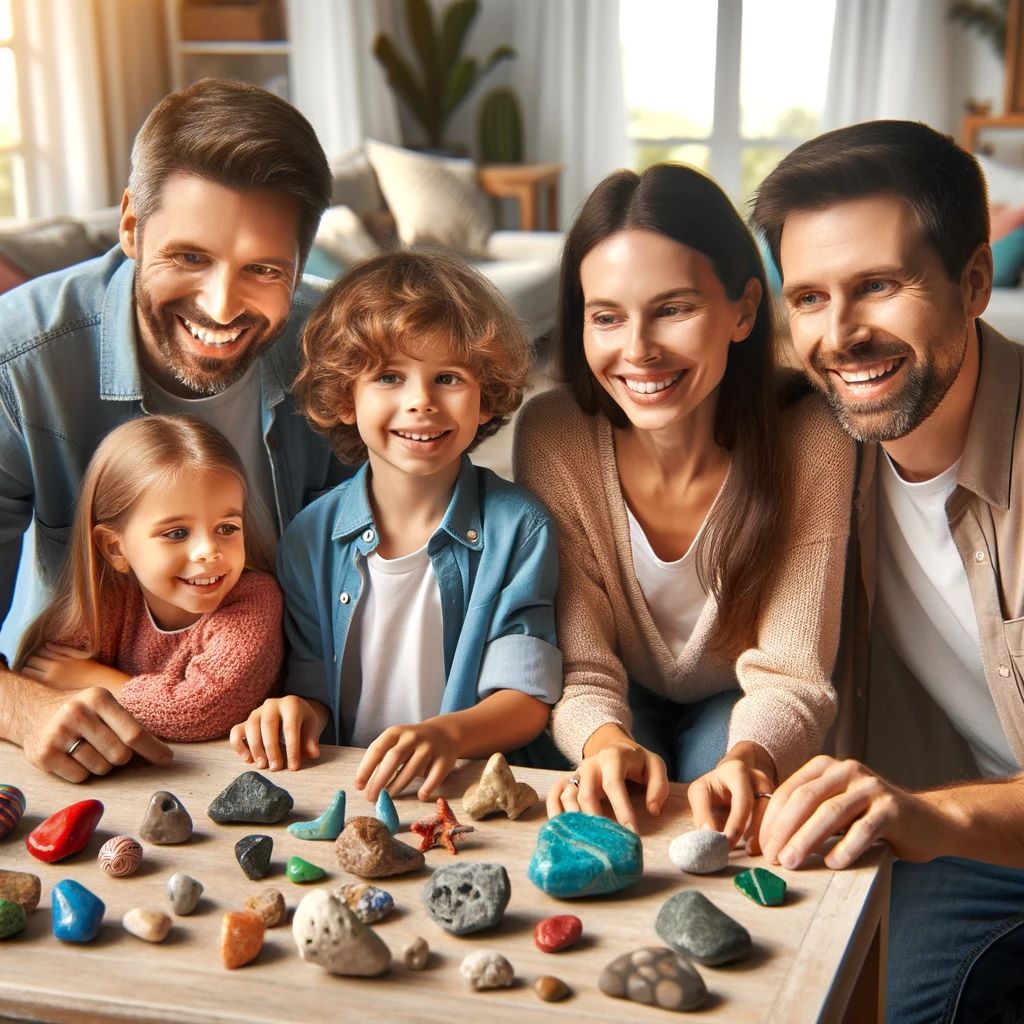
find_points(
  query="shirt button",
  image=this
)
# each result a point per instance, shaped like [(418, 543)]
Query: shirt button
[(368, 536), (979, 556), (1003, 671), (471, 535), (344, 598)]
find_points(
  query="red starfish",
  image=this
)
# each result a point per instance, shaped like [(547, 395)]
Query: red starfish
[(440, 829)]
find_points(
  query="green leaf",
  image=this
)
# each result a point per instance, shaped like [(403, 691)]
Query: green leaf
[(461, 80), (401, 78), (498, 54), (455, 25)]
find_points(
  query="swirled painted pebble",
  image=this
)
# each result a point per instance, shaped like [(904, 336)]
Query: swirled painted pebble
[(415, 954), (184, 893), (302, 872), (253, 798), (367, 902), (253, 854), (120, 856), (269, 904), (654, 976), (558, 932), (166, 821), (327, 826), (762, 886), (386, 812), (551, 990), (12, 807), (700, 852), (12, 918), (20, 887), (241, 937), (148, 925), (76, 913), (327, 933), (486, 968), (64, 833)]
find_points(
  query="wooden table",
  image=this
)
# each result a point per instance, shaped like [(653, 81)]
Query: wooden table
[(526, 183), (807, 962)]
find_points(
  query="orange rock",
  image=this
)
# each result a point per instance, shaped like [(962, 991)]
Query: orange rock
[(241, 937)]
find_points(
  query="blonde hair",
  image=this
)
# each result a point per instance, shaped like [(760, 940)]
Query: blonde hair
[(138, 456), (406, 301)]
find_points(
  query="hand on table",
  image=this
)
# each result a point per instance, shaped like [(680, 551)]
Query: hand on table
[(739, 783), (402, 753), (298, 721)]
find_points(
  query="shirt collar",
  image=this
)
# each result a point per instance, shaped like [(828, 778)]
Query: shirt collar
[(120, 375)]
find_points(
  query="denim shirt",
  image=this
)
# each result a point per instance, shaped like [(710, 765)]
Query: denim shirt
[(496, 559), (69, 374)]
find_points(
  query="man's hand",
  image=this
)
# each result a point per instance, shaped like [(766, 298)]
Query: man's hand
[(257, 740), (67, 668), (402, 753), (50, 722)]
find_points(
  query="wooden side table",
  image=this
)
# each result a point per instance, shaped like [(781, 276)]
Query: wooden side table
[(525, 183), (975, 123)]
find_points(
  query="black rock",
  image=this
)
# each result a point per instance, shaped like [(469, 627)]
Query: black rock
[(253, 855), (251, 797)]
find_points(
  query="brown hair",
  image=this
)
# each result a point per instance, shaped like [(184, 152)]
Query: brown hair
[(405, 301), (142, 454), (237, 135), (941, 183), (738, 551)]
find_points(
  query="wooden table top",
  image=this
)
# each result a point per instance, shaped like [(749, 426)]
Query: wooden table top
[(799, 948)]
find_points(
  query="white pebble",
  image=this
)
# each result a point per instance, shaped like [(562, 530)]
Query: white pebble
[(700, 852), (485, 968), (148, 925)]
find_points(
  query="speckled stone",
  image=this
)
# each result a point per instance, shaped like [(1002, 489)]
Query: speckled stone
[(327, 826), (64, 833), (486, 968), (76, 913), (20, 887), (12, 807), (692, 925), (120, 856), (366, 848), (762, 886), (550, 989), (585, 855), (12, 918), (166, 821), (327, 933), (498, 792), (253, 798), (654, 976), (700, 852), (467, 897), (302, 872), (253, 854), (386, 812), (184, 893), (415, 954), (145, 924), (241, 938), (367, 902), (557, 933), (270, 905)]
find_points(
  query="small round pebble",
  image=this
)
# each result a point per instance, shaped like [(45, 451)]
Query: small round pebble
[(12, 918), (700, 852), (120, 856), (148, 925), (184, 892), (486, 968), (269, 904), (551, 990), (241, 937), (558, 932), (416, 953)]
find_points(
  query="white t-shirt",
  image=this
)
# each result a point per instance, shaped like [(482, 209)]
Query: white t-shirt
[(393, 668), (674, 595), (925, 610), (235, 412)]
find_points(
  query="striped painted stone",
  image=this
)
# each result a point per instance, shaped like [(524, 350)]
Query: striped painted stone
[(762, 886), (12, 807)]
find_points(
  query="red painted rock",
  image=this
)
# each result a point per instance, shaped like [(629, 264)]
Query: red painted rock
[(64, 833), (559, 932)]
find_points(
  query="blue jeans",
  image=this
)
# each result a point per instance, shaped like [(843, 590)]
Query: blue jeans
[(690, 738), (956, 944)]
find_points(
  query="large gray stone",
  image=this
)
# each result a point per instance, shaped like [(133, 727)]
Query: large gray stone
[(691, 924), (253, 798), (654, 976), (467, 897)]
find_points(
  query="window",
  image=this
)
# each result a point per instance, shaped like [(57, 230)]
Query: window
[(730, 86), (12, 176)]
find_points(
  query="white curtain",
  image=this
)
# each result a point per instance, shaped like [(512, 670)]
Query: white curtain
[(569, 79), (335, 79), (890, 59), (92, 70)]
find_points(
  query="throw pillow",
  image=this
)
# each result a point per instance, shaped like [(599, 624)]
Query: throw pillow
[(1008, 259), (10, 276), (41, 246), (342, 237), (321, 264), (355, 185), (435, 200)]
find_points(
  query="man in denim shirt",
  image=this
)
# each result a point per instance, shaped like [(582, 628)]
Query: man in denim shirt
[(198, 311)]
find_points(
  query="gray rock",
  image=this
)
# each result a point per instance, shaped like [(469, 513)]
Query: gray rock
[(253, 855), (700, 852), (467, 897), (485, 968), (251, 797), (166, 821), (184, 892), (654, 976), (327, 933), (691, 924)]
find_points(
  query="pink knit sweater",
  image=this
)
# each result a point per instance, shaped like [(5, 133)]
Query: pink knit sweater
[(195, 683)]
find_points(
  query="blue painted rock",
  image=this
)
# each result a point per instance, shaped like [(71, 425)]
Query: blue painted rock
[(327, 826), (64, 833), (585, 855), (386, 811), (253, 798), (692, 925), (76, 913), (467, 897), (120, 856), (12, 807), (12, 918), (367, 902), (253, 855), (166, 822)]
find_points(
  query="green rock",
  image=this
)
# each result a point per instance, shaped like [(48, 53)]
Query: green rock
[(12, 918), (762, 886), (301, 871)]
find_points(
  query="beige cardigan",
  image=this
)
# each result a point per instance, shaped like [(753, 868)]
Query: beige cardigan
[(606, 631)]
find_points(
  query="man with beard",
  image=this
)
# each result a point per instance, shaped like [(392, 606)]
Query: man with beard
[(881, 233), (197, 311)]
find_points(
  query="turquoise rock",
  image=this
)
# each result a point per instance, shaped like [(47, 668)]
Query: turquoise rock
[(327, 826), (585, 855), (77, 913), (386, 811)]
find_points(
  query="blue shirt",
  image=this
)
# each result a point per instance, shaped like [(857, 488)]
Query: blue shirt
[(496, 559), (69, 374)]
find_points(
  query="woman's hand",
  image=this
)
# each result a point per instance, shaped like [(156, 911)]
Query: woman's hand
[(401, 753), (611, 759), (298, 721), (66, 668), (741, 783)]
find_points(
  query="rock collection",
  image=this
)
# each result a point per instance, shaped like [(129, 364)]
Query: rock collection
[(550, 989), (253, 854), (241, 938), (12, 807), (485, 968), (692, 925), (367, 902), (302, 872), (148, 925), (557, 933), (440, 829), (270, 905), (762, 886), (584, 855), (20, 887), (701, 852), (166, 822), (184, 893), (654, 976), (120, 856), (468, 897), (76, 913), (327, 826), (251, 798), (498, 792), (366, 848), (64, 833), (327, 933), (12, 918), (385, 811)]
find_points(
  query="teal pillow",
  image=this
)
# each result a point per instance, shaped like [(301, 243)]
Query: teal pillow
[(770, 270), (1008, 259), (319, 264)]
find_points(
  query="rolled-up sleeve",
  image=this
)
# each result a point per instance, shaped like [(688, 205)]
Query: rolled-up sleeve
[(15, 497)]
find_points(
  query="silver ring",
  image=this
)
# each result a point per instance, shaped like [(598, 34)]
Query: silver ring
[(762, 796), (74, 746), (574, 780)]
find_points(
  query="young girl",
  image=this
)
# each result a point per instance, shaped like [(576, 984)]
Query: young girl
[(165, 597)]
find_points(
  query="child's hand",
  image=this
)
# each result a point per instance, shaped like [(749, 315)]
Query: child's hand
[(740, 782), (67, 668), (402, 753), (257, 740)]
